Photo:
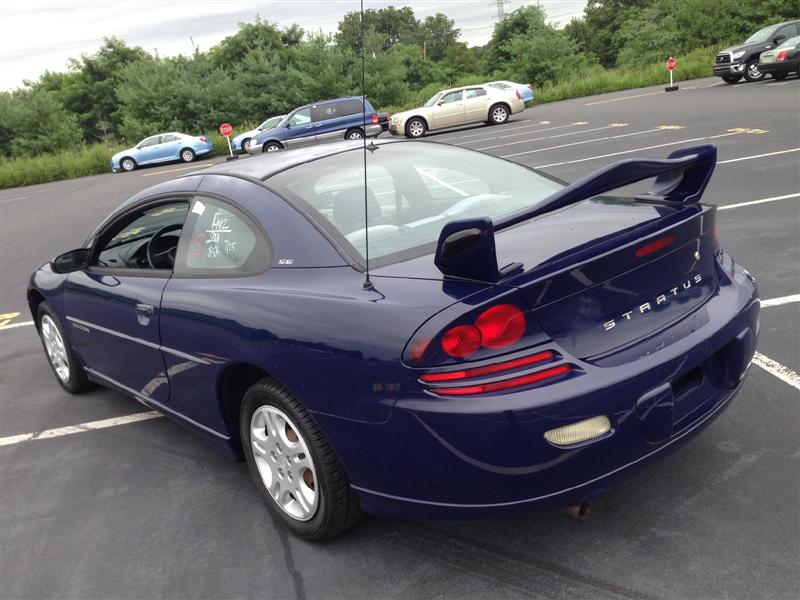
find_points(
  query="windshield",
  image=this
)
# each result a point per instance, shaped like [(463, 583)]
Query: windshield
[(762, 35), (433, 99), (413, 190), (270, 123), (790, 43)]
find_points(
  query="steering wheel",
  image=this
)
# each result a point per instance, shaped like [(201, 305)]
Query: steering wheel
[(157, 257)]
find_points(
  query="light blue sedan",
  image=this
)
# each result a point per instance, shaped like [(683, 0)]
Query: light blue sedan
[(242, 141), (160, 148), (526, 89)]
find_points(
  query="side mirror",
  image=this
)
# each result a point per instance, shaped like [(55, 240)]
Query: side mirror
[(74, 260)]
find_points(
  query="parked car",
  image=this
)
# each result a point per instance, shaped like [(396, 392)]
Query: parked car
[(163, 147), (522, 344), (458, 106), (783, 60), (743, 61), (526, 89), (324, 121), (241, 142)]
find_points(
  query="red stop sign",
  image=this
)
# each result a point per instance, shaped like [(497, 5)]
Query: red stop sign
[(226, 129), (671, 64)]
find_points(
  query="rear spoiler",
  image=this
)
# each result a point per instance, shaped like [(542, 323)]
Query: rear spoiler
[(466, 248)]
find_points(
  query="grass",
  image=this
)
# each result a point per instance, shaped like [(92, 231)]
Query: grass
[(91, 160)]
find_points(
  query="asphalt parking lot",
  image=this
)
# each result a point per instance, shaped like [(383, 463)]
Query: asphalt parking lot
[(144, 510)]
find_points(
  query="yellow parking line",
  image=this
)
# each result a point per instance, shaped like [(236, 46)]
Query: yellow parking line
[(6, 318)]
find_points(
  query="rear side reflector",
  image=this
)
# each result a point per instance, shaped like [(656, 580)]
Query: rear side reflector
[(579, 432), (654, 246), (506, 384), (489, 369)]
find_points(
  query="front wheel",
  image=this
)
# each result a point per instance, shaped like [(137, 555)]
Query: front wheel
[(354, 134), (731, 79), (416, 128), (293, 466), (63, 362), (187, 155), (271, 147), (246, 145), (498, 114), (128, 164), (752, 73)]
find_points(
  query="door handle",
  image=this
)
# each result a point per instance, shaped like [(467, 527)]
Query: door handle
[(144, 312)]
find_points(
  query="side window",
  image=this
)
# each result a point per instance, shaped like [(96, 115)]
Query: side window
[(220, 239), (151, 141), (451, 97), (301, 117), (144, 239), (168, 138), (351, 107), (475, 93), (324, 112), (788, 31)]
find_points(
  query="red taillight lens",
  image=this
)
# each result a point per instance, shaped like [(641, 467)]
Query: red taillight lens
[(782, 55), (501, 325), (461, 341), (374, 119), (519, 96), (507, 383), (655, 246), (203, 138), (489, 369)]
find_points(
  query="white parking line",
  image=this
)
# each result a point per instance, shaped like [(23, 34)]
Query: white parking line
[(80, 428), (762, 201), (178, 169), (552, 137), (733, 160), (483, 130), (578, 160), (26, 196), (780, 301), (772, 367), (501, 137), (625, 98), (15, 325)]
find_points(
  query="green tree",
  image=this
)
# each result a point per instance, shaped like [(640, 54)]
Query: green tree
[(439, 33), (34, 122), (398, 25)]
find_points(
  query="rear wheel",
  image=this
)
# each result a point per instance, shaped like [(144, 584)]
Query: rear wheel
[(752, 72), (416, 128), (63, 362), (293, 466), (127, 164), (354, 134), (187, 155), (779, 76), (731, 78), (498, 114), (271, 147)]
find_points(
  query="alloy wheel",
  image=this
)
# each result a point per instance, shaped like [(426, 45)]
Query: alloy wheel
[(499, 114), (416, 129), (56, 351)]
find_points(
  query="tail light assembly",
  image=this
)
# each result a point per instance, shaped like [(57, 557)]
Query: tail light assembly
[(782, 55), (519, 96), (374, 119), (203, 138)]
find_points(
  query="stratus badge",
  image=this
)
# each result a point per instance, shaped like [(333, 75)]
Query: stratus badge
[(660, 299)]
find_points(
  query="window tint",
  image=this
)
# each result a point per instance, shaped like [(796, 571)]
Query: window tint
[(151, 141), (301, 117), (475, 93), (451, 97), (788, 31), (124, 245), (500, 85), (324, 112), (351, 107), (221, 239)]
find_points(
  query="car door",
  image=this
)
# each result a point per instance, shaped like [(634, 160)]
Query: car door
[(329, 122), (169, 147), (449, 110), (148, 150), (476, 105), (113, 307), (301, 129)]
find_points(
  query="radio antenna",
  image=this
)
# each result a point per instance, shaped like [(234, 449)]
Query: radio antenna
[(367, 282)]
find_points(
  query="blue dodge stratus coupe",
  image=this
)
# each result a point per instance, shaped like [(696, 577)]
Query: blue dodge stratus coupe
[(519, 343)]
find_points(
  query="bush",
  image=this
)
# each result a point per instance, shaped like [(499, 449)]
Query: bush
[(89, 160)]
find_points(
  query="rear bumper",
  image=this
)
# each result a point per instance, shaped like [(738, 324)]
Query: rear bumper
[(784, 66), (465, 457)]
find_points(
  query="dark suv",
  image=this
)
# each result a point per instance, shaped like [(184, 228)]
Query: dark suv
[(323, 121), (742, 61)]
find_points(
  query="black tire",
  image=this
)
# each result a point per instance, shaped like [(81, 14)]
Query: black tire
[(337, 508), (356, 133), (780, 76), (75, 380), (245, 145), (752, 72), (416, 128), (128, 164), (271, 147), (187, 155), (499, 114), (731, 79)]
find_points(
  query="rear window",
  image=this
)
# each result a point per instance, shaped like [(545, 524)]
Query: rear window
[(413, 189)]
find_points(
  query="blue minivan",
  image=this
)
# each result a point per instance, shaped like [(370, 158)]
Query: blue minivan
[(324, 121)]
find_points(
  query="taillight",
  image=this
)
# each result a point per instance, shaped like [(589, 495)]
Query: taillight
[(496, 386), (496, 327), (519, 96), (507, 365), (203, 138), (530, 86), (654, 246), (374, 119), (782, 55)]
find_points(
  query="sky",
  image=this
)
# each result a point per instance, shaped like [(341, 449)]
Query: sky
[(42, 35)]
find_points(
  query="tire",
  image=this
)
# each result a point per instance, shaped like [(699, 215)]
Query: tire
[(752, 72), (416, 128), (66, 367), (779, 76), (498, 114), (731, 79), (187, 155), (354, 134), (127, 164), (245, 145), (329, 506), (271, 147)]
